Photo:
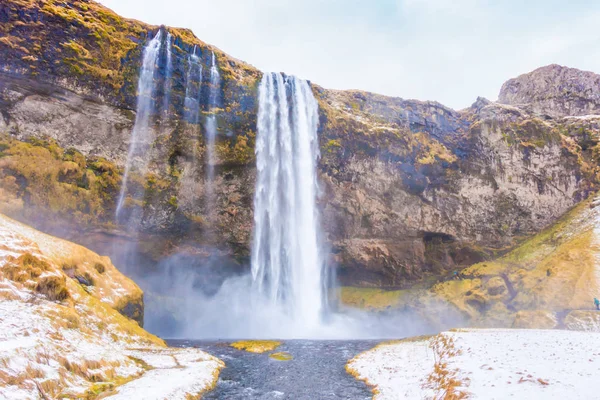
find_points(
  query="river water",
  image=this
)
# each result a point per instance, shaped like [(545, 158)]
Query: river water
[(316, 371)]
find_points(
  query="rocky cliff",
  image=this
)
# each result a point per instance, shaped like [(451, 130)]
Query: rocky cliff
[(410, 189), (549, 281), (554, 91)]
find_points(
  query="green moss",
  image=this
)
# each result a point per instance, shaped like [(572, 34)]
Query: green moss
[(332, 145), (539, 245)]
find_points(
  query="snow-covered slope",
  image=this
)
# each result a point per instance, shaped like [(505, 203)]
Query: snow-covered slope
[(60, 338), (484, 364)]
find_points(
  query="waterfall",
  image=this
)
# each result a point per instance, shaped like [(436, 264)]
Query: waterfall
[(211, 129), (287, 264), (193, 82), (168, 75), (141, 140)]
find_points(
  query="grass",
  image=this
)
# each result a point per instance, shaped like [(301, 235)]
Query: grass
[(25, 268), (371, 298), (256, 346), (443, 380), (53, 287)]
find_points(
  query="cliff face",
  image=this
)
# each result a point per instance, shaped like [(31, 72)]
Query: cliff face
[(548, 281), (409, 188), (555, 91)]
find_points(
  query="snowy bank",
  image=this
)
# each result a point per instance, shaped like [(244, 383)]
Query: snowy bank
[(484, 364), (60, 338)]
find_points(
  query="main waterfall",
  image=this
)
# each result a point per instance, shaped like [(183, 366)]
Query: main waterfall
[(287, 264)]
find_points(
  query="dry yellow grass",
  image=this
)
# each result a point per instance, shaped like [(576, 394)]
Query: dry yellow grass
[(443, 380)]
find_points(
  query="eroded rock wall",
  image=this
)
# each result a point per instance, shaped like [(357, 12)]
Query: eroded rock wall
[(409, 189)]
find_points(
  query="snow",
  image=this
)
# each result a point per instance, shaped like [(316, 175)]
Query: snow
[(28, 339), (490, 364), (67, 348), (178, 372), (395, 369)]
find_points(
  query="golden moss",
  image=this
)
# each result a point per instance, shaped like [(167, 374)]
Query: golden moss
[(256, 346), (239, 152), (62, 183), (371, 298)]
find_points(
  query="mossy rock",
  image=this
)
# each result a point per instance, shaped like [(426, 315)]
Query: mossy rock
[(256, 346), (281, 356), (537, 319)]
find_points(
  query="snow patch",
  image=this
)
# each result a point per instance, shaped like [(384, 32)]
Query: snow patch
[(491, 364)]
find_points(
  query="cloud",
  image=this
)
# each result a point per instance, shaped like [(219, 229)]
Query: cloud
[(449, 51)]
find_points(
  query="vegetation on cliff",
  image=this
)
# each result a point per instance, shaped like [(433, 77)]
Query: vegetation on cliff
[(547, 277)]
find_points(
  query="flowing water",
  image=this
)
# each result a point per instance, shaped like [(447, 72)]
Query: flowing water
[(141, 138), (168, 75), (316, 371), (287, 263), (211, 130), (193, 84)]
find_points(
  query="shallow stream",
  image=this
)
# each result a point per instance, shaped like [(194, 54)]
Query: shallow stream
[(315, 372)]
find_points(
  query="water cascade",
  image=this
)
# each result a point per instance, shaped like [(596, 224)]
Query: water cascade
[(168, 75), (141, 139), (287, 263), (193, 84), (211, 129)]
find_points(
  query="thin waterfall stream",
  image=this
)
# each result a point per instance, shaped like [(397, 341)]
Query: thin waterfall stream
[(141, 137), (168, 75), (211, 131)]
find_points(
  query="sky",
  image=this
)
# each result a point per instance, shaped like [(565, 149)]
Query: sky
[(450, 51)]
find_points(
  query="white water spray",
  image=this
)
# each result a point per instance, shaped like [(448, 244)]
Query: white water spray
[(287, 264), (141, 139)]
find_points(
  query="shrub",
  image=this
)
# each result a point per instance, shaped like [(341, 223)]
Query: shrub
[(25, 268), (100, 268), (53, 287)]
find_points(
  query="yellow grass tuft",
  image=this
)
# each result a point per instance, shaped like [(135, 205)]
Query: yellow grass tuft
[(443, 380)]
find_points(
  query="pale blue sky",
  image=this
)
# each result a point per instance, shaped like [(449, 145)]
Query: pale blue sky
[(446, 50)]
